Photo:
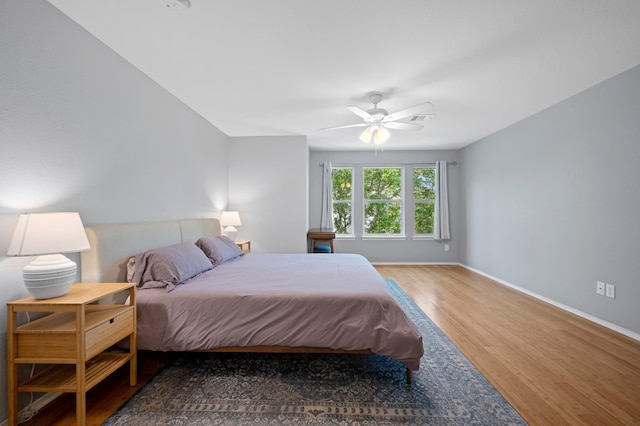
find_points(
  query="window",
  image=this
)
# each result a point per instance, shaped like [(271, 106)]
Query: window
[(342, 194), (424, 180), (383, 202), (392, 201)]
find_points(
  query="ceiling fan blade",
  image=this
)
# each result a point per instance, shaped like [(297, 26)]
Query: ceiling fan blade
[(344, 127), (402, 126), (399, 115), (359, 112)]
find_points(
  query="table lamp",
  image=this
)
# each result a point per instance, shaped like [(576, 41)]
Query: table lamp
[(229, 220), (46, 235)]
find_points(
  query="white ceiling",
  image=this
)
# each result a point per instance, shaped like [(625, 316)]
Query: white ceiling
[(289, 67)]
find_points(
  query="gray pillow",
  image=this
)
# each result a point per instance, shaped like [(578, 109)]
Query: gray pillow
[(219, 249), (169, 266)]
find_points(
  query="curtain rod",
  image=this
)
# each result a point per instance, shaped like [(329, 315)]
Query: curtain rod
[(453, 163)]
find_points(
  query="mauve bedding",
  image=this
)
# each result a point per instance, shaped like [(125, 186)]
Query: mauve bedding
[(336, 301)]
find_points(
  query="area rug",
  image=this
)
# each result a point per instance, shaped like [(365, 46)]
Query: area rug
[(309, 389)]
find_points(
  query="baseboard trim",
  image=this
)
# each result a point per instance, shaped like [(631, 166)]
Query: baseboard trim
[(600, 321)]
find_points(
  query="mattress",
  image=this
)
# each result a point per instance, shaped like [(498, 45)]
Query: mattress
[(336, 301)]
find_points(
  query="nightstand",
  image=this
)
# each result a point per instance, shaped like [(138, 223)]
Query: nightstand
[(75, 337), (245, 245)]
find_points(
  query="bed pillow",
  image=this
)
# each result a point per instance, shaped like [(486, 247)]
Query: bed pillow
[(131, 268), (169, 266), (219, 249)]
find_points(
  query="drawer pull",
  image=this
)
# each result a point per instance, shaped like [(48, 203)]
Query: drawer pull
[(111, 320)]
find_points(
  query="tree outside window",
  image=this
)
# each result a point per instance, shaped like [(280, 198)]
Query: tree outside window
[(342, 194), (424, 180), (382, 193)]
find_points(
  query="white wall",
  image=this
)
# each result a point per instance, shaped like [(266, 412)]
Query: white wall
[(268, 186), (552, 202), (388, 250), (83, 130)]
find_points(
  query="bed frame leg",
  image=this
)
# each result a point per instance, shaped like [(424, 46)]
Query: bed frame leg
[(408, 377)]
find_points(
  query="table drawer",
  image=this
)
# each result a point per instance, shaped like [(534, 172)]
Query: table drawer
[(46, 345), (108, 333)]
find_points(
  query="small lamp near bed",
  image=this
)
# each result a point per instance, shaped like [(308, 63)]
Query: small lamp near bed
[(46, 235), (229, 220)]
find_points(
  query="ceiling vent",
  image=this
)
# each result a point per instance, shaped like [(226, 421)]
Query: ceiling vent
[(177, 4), (421, 117)]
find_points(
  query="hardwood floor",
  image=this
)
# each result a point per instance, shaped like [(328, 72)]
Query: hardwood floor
[(555, 368)]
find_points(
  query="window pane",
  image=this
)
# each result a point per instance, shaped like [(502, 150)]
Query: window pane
[(342, 194), (424, 218), (424, 181), (342, 180), (342, 218), (382, 183), (382, 218)]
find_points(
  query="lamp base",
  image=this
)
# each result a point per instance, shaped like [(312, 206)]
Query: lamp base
[(49, 276), (231, 232)]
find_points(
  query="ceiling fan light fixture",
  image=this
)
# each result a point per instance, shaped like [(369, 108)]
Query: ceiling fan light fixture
[(367, 134), (378, 121), (380, 135), (376, 133)]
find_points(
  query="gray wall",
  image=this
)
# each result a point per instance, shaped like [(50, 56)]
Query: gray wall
[(268, 186), (83, 130), (390, 250), (551, 203)]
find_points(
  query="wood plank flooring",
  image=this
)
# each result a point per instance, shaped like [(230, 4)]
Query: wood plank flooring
[(555, 368)]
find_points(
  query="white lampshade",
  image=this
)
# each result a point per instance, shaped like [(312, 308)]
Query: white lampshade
[(229, 220), (366, 135), (380, 136), (48, 234), (376, 132)]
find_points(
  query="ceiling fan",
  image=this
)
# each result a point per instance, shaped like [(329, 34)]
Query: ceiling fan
[(378, 120)]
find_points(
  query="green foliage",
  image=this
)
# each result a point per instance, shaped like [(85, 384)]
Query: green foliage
[(342, 193), (424, 194), (383, 218), (342, 218), (424, 182), (424, 218), (382, 184), (342, 184)]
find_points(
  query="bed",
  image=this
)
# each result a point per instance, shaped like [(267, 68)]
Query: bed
[(336, 303)]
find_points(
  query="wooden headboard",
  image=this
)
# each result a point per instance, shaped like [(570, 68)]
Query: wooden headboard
[(112, 245)]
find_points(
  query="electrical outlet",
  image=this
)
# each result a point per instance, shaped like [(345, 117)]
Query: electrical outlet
[(446, 247), (600, 288), (610, 290)]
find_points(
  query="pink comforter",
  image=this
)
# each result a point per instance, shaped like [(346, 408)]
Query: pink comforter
[(336, 301)]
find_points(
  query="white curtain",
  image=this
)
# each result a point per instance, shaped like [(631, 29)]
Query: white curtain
[(441, 229), (326, 215)]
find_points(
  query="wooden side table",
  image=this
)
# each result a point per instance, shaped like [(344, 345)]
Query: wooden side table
[(75, 338), (325, 235), (245, 245)]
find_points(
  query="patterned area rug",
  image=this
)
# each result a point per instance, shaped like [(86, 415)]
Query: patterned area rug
[(301, 389)]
